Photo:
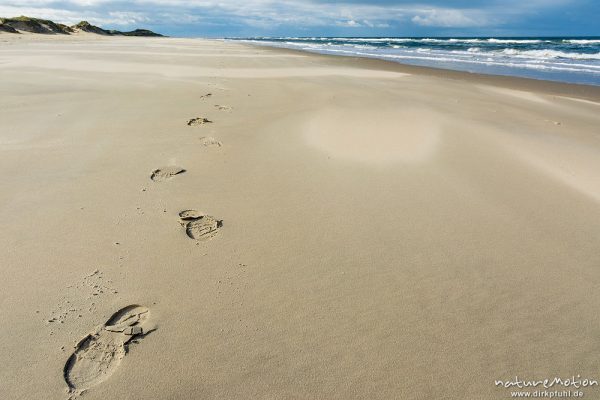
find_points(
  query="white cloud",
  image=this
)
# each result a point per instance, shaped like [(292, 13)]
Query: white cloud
[(349, 23), (272, 14), (260, 13), (66, 16), (449, 18), (128, 18), (71, 17)]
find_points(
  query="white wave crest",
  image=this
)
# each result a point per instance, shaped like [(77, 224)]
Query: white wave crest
[(515, 41), (582, 41), (550, 54)]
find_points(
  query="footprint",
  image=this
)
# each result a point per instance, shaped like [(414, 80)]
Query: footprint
[(165, 173), (199, 121), (199, 226), (190, 215), (209, 141), (206, 96), (99, 354), (557, 123), (223, 108)]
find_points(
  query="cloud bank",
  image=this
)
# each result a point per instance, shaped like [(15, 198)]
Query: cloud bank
[(310, 17)]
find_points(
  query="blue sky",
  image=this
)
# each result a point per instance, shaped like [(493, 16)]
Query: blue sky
[(229, 18)]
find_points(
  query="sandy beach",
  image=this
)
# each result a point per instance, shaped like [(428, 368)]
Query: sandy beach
[(197, 219)]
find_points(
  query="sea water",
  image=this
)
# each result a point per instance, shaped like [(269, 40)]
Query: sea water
[(568, 59)]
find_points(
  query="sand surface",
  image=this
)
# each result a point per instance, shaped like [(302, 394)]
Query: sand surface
[(353, 230)]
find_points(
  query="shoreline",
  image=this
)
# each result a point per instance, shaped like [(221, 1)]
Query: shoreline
[(587, 92)]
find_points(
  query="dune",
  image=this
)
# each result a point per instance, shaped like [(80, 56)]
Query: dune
[(24, 24)]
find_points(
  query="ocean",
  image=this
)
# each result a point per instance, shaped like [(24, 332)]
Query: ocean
[(563, 59)]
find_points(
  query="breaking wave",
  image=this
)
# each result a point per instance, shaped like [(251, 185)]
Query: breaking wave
[(574, 60)]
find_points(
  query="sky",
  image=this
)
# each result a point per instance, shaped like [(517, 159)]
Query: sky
[(249, 18)]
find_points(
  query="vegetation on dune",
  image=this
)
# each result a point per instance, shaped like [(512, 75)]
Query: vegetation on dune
[(139, 32), (87, 27), (7, 28), (44, 26), (34, 25)]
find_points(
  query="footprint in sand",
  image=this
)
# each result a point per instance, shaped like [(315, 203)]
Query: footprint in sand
[(99, 354), (223, 108), (209, 141), (199, 226), (199, 121), (165, 173), (557, 123)]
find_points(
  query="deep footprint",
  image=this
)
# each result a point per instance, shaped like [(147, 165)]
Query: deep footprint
[(165, 173), (199, 226), (199, 121), (99, 354)]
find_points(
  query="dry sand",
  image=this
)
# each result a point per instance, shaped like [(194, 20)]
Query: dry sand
[(343, 229)]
